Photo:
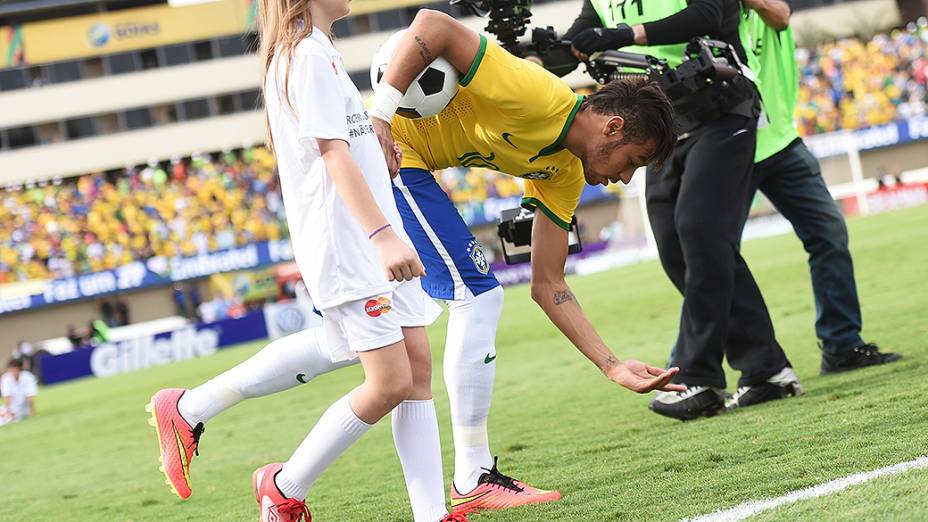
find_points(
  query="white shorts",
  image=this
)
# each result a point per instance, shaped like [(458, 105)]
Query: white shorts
[(377, 321)]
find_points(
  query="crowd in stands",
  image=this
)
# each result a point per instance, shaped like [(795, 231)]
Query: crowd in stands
[(853, 83), (101, 221), (214, 202)]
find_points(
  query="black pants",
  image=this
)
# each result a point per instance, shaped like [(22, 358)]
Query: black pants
[(696, 203)]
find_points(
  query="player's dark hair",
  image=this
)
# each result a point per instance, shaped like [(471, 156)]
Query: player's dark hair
[(646, 110), (15, 363)]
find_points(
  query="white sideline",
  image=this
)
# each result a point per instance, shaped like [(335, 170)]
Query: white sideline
[(753, 507)]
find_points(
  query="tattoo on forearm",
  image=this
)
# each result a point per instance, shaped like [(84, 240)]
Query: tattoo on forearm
[(610, 361), (424, 51), (562, 296)]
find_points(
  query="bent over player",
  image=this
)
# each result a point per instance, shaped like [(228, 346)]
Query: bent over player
[(513, 116)]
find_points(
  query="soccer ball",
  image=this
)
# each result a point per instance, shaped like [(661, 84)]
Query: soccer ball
[(429, 93)]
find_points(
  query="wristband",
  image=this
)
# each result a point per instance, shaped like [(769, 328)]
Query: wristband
[(379, 230), (386, 100)]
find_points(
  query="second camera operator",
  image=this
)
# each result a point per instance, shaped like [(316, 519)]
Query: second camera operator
[(696, 201)]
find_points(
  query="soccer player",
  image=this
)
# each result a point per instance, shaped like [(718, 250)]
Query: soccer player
[(787, 173), (513, 116), (359, 266)]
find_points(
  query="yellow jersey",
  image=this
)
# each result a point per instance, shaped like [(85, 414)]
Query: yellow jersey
[(509, 115)]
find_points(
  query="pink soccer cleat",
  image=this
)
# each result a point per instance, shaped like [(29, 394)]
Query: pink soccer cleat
[(275, 507), (178, 440), (497, 491)]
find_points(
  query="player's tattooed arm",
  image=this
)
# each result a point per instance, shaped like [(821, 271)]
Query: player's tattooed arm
[(424, 51), (562, 296)]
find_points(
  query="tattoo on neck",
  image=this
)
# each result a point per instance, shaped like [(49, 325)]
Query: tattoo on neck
[(424, 51), (610, 361), (562, 296)]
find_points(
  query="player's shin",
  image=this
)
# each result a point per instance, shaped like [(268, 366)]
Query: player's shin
[(469, 369), (279, 366)]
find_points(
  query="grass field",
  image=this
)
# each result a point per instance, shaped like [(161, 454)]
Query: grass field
[(555, 421)]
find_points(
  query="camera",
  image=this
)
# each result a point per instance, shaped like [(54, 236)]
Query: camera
[(706, 85), (508, 21), (514, 229)]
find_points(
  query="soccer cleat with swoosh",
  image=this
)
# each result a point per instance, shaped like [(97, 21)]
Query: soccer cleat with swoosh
[(177, 439), (497, 491), (275, 506)]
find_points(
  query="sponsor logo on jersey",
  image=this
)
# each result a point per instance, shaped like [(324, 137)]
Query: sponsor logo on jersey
[(377, 307), (507, 138)]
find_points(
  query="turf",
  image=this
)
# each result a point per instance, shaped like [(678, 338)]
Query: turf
[(555, 421)]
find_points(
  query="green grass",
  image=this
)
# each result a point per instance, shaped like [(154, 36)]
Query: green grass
[(555, 421)]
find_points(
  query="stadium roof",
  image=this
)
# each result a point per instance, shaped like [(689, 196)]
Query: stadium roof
[(15, 11)]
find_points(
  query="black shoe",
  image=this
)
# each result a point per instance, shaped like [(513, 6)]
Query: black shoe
[(866, 355), (781, 385), (695, 402)]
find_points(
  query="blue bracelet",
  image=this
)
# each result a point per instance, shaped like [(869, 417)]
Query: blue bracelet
[(379, 230)]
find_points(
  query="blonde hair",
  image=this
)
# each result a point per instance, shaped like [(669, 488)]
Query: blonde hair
[(282, 24)]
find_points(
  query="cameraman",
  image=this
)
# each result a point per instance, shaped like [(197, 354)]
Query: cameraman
[(696, 202), (790, 177)]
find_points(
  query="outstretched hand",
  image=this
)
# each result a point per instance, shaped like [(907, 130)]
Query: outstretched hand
[(385, 137), (642, 378)]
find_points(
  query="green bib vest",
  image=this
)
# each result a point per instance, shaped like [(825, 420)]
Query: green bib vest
[(775, 52), (614, 12)]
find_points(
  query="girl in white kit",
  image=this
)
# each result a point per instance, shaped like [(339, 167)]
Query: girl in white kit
[(349, 243), (359, 267)]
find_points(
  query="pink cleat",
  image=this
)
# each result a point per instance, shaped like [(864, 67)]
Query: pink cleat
[(275, 507), (497, 491), (178, 440)]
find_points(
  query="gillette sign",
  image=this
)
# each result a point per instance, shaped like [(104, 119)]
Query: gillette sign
[(127, 356), (109, 359)]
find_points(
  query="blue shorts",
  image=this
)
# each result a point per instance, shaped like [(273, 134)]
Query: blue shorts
[(453, 259)]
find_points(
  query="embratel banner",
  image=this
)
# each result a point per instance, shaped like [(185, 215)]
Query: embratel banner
[(130, 29)]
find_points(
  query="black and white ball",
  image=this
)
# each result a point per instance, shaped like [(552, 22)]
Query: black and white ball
[(429, 93)]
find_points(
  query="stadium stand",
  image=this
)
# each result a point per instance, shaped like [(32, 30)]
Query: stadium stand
[(100, 221), (854, 83)]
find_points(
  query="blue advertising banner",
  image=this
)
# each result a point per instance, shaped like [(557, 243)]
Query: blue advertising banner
[(152, 272), (896, 133), (130, 355)]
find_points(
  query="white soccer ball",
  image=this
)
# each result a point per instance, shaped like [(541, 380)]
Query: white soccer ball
[(429, 93)]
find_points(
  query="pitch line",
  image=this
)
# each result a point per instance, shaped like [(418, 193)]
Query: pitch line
[(753, 507)]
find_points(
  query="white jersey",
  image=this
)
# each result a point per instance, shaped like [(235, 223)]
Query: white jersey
[(336, 259), (18, 390)]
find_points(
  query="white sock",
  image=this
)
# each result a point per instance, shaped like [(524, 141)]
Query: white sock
[(337, 429), (281, 365), (415, 432), (470, 343)]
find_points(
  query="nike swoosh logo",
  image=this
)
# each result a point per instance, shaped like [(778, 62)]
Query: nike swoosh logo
[(742, 131), (183, 454), (488, 359), (506, 137), (301, 377), (464, 500)]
